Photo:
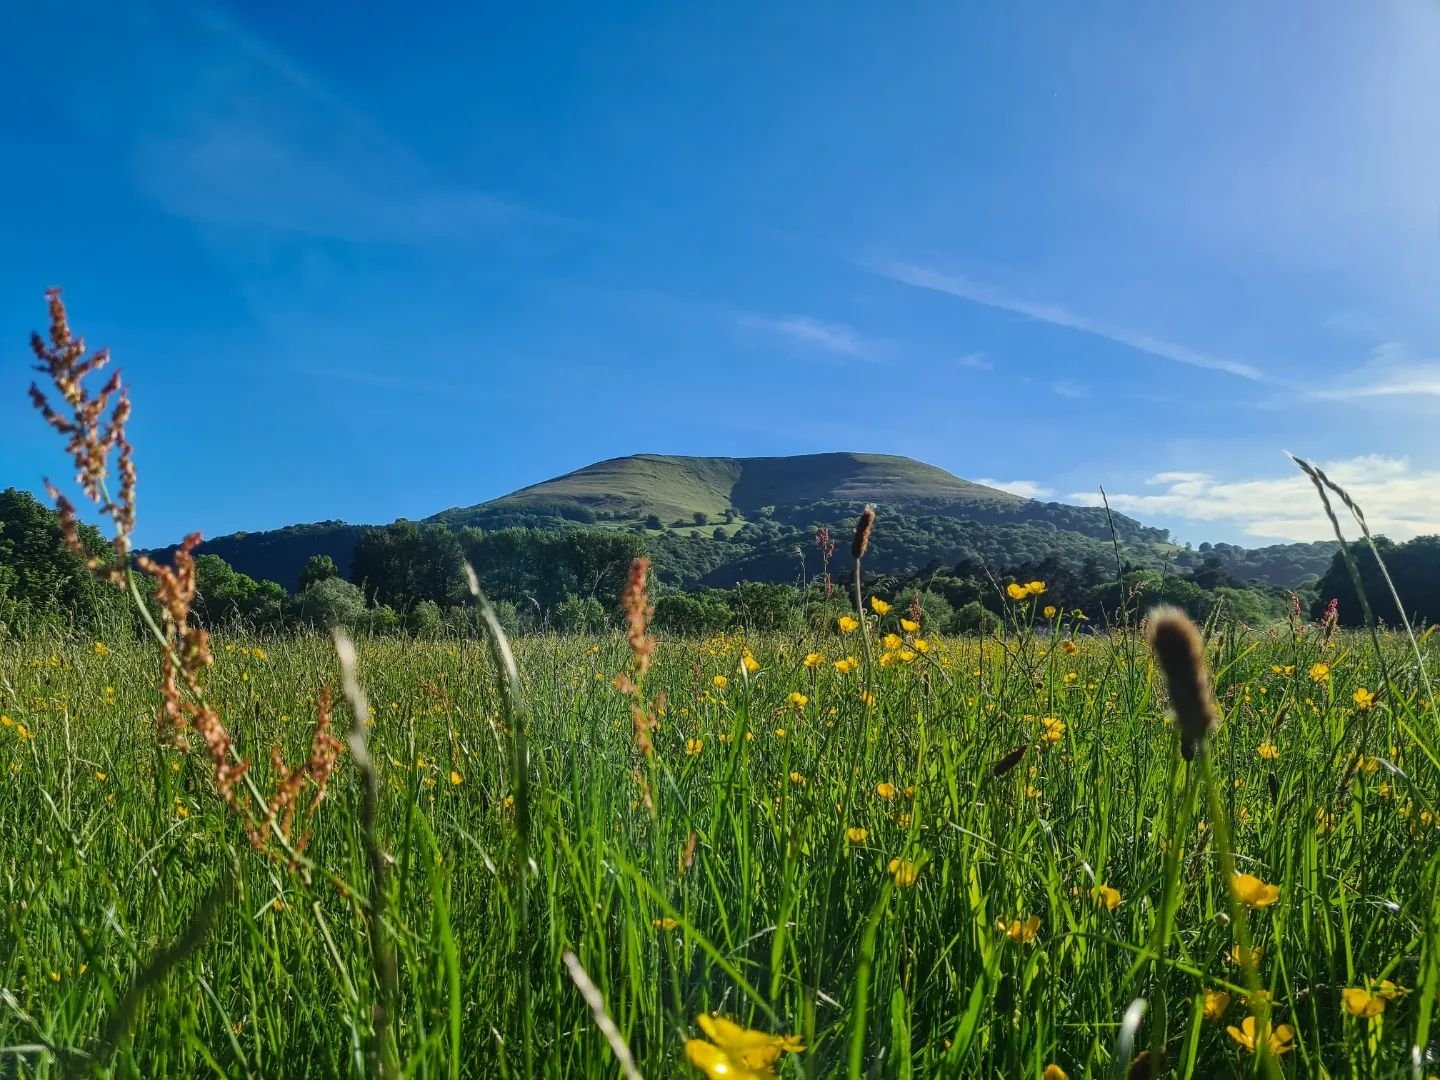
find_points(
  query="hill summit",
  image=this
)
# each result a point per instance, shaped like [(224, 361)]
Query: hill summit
[(676, 489)]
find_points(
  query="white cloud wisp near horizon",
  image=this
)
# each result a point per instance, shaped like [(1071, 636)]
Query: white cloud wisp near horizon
[(1399, 500)]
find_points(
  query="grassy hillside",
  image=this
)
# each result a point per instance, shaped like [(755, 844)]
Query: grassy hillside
[(628, 489), (758, 512)]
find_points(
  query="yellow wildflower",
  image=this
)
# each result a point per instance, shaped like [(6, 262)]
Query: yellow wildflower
[(892, 641), (749, 663), (1215, 1004), (1268, 750), (101, 649), (1018, 931), (665, 923), (1280, 1040), (1070, 647), (720, 682), (1035, 588), (920, 645), (1108, 896), (456, 778), (1361, 1002), (814, 659), (1319, 672), (737, 1053), (885, 789), (857, 835), (909, 625), (903, 872), (1363, 698), (1054, 1072), (848, 624), (694, 746), (1050, 611), (1252, 892), (847, 665), (1016, 591), (799, 700), (880, 607)]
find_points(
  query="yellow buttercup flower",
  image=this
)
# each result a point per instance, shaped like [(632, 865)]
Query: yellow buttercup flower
[(1054, 729), (1054, 1072), (848, 624), (1361, 1002), (1363, 698), (1070, 647), (738, 1053), (1280, 1039), (1252, 892), (920, 645), (909, 625), (667, 923), (749, 663), (101, 649), (847, 665), (857, 835), (814, 659), (903, 872), (892, 641), (1215, 1004), (720, 682), (456, 778), (885, 789), (1109, 897), (1268, 750), (693, 747), (880, 607), (1050, 611), (1319, 672), (799, 700), (1016, 591), (1035, 588), (1018, 931)]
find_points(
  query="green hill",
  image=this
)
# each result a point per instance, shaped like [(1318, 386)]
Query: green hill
[(675, 489), (719, 520)]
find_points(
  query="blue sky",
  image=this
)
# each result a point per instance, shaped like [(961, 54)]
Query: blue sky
[(369, 261)]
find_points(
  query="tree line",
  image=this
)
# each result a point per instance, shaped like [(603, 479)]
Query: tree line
[(408, 577)]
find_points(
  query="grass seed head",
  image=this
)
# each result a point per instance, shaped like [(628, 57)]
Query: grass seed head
[(1181, 655), (863, 528)]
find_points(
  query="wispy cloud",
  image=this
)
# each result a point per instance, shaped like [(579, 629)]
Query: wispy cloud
[(977, 292), (1026, 489), (974, 360), (804, 332), (241, 136), (1393, 371), (1399, 499), (1069, 388)]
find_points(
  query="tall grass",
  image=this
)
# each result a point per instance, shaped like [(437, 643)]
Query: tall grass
[(111, 846)]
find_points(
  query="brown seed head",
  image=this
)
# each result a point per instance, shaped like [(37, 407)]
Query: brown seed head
[(1009, 761), (1181, 656), (863, 528)]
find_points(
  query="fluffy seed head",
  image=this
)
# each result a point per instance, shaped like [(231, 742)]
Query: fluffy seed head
[(863, 528), (1181, 656)]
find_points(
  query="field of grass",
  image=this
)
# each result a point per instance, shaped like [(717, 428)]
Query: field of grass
[(813, 852)]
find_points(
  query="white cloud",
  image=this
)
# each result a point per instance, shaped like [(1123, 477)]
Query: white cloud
[(975, 360), (1398, 499), (1392, 371), (987, 295), (1069, 388), (809, 333), (1026, 489)]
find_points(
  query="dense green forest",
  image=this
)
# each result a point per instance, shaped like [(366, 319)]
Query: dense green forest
[(408, 576)]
